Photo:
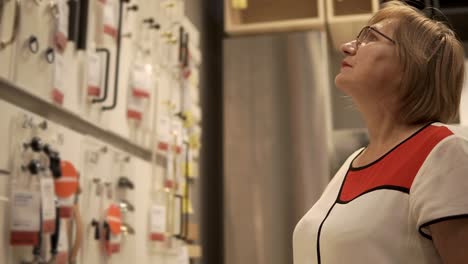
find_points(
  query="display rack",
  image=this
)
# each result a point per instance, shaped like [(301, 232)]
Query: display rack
[(22, 98)]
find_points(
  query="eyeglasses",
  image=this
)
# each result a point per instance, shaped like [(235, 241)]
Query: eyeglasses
[(366, 36)]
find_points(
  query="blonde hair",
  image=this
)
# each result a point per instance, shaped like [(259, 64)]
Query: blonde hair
[(432, 60)]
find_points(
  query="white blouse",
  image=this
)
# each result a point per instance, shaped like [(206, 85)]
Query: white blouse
[(379, 213)]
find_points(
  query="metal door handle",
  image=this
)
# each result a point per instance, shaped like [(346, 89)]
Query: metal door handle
[(117, 59), (16, 24), (106, 80), (180, 235)]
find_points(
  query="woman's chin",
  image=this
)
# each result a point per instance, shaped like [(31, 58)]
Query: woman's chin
[(339, 81)]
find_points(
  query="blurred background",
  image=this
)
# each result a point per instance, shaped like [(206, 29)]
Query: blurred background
[(286, 127)]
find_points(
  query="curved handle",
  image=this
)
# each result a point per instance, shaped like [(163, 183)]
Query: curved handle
[(106, 80), (16, 24), (180, 235), (117, 58)]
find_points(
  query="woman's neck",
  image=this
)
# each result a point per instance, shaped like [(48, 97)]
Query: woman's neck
[(385, 132)]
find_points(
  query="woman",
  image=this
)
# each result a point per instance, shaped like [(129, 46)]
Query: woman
[(403, 198)]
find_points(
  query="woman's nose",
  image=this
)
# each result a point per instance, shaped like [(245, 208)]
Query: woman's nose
[(349, 48)]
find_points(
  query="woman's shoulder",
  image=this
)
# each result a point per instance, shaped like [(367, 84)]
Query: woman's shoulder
[(450, 132)]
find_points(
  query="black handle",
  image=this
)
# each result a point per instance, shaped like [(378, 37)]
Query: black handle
[(34, 166), (117, 59), (132, 8), (35, 144), (37, 248), (181, 45), (97, 231), (106, 77), (186, 50), (54, 161), (107, 231), (125, 182), (73, 20), (180, 235), (54, 238), (83, 25)]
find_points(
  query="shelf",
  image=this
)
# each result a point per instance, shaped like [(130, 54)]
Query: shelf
[(273, 16), (346, 18), (194, 251), (17, 96)]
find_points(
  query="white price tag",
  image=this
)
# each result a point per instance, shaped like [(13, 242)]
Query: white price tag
[(66, 206), (48, 204), (157, 222), (61, 36), (94, 74), (142, 80), (25, 218), (58, 92), (136, 108), (177, 127), (183, 256), (63, 17), (164, 132), (110, 22)]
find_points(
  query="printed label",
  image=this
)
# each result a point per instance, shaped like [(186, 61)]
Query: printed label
[(25, 218), (94, 75), (157, 223), (142, 81)]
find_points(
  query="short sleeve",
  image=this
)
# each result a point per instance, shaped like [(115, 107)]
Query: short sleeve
[(440, 189)]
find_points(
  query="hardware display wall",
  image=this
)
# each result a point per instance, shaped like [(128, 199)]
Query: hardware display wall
[(128, 69)]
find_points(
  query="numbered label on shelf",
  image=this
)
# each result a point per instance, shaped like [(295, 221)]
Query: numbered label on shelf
[(157, 223), (25, 219), (94, 75)]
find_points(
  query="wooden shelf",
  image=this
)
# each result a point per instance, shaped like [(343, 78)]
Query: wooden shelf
[(346, 18), (274, 16), (194, 251), (22, 98)]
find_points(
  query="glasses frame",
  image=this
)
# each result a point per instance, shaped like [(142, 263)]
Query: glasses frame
[(364, 29)]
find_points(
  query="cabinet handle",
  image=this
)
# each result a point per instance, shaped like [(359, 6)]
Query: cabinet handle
[(16, 24), (117, 59), (106, 78), (180, 235)]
